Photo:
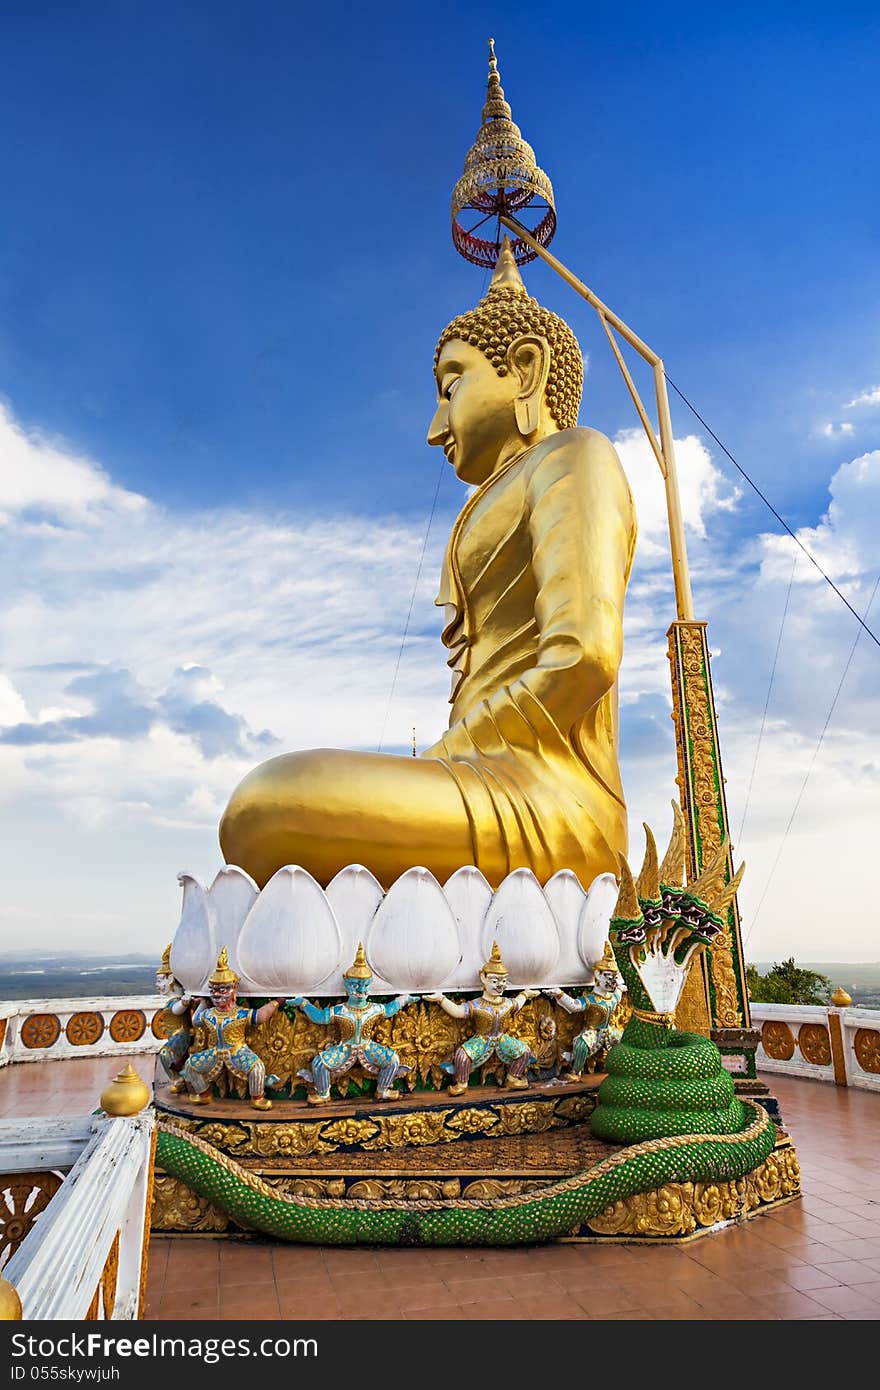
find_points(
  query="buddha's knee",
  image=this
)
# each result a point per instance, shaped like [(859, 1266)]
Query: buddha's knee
[(280, 796)]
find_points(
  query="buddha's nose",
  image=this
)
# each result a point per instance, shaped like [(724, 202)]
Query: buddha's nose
[(439, 426)]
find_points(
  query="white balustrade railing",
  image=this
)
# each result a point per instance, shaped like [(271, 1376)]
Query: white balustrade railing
[(841, 1045), (33, 1030), (85, 1254)]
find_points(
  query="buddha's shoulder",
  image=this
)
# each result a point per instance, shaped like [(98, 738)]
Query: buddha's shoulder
[(585, 453)]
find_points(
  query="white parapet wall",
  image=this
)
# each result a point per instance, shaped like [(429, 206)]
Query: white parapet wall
[(840, 1045), (35, 1030)]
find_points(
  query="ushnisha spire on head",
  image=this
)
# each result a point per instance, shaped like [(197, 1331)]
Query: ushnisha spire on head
[(501, 176)]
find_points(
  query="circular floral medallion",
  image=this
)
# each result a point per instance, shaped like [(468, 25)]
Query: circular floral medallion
[(777, 1041), (159, 1025), (127, 1025), (24, 1196), (84, 1029), (866, 1046), (815, 1044), (41, 1030)]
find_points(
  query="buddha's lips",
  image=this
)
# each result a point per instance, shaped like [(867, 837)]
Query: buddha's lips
[(449, 449)]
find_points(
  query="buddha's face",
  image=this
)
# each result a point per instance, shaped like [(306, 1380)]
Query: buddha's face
[(163, 982), (476, 417)]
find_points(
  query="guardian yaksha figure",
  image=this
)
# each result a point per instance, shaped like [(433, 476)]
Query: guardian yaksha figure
[(598, 1003), (489, 1013), (176, 1017), (355, 1021), (224, 1021)]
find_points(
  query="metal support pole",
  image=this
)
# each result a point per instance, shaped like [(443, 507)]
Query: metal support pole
[(684, 604)]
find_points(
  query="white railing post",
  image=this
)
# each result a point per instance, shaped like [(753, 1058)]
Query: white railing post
[(60, 1267)]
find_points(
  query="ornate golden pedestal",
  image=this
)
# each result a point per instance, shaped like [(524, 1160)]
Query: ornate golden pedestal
[(490, 1143)]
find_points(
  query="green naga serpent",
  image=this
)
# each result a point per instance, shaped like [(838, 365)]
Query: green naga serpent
[(667, 1099)]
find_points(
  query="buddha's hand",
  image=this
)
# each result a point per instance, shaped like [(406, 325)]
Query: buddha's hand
[(404, 999), (296, 1002), (434, 998), (553, 993), (530, 993)]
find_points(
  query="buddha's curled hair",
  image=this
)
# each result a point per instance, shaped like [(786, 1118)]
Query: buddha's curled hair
[(508, 312)]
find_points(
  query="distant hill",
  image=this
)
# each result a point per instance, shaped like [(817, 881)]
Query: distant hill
[(75, 975)]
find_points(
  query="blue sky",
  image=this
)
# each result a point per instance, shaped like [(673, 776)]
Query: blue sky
[(224, 263)]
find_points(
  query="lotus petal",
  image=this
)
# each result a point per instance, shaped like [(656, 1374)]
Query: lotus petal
[(566, 898), (195, 946), (232, 895), (595, 920), (290, 942), (413, 940), (469, 895), (520, 920), (354, 894)]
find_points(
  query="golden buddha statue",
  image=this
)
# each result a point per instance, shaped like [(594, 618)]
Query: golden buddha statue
[(533, 585)]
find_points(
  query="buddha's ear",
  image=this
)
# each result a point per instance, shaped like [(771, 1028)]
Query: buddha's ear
[(528, 358)]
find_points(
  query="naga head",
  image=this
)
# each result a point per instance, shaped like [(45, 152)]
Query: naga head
[(659, 925)]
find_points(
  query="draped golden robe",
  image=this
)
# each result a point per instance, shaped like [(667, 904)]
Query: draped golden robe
[(526, 775)]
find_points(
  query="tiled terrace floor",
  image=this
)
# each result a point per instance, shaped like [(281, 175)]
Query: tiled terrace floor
[(815, 1258)]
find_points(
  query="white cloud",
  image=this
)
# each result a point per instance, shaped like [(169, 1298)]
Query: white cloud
[(844, 541), (831, 431), (702, 487), (43, 480), (870, 397)]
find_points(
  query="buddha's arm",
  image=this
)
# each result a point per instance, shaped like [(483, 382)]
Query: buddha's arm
[(582, 529)]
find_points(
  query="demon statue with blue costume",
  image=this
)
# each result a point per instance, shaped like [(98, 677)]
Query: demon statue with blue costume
[(176, 1017), (223, 1022), (489, 1040), (355, 1021), (598, 1003)]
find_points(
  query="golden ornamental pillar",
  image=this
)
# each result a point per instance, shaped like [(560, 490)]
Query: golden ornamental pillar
[(717, 985)]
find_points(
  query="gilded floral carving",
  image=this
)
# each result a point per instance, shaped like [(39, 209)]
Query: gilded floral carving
[(679, 1209), (701, 785), (177, 1208)]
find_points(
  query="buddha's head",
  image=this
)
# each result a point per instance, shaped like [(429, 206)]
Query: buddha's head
[(509, 373)]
